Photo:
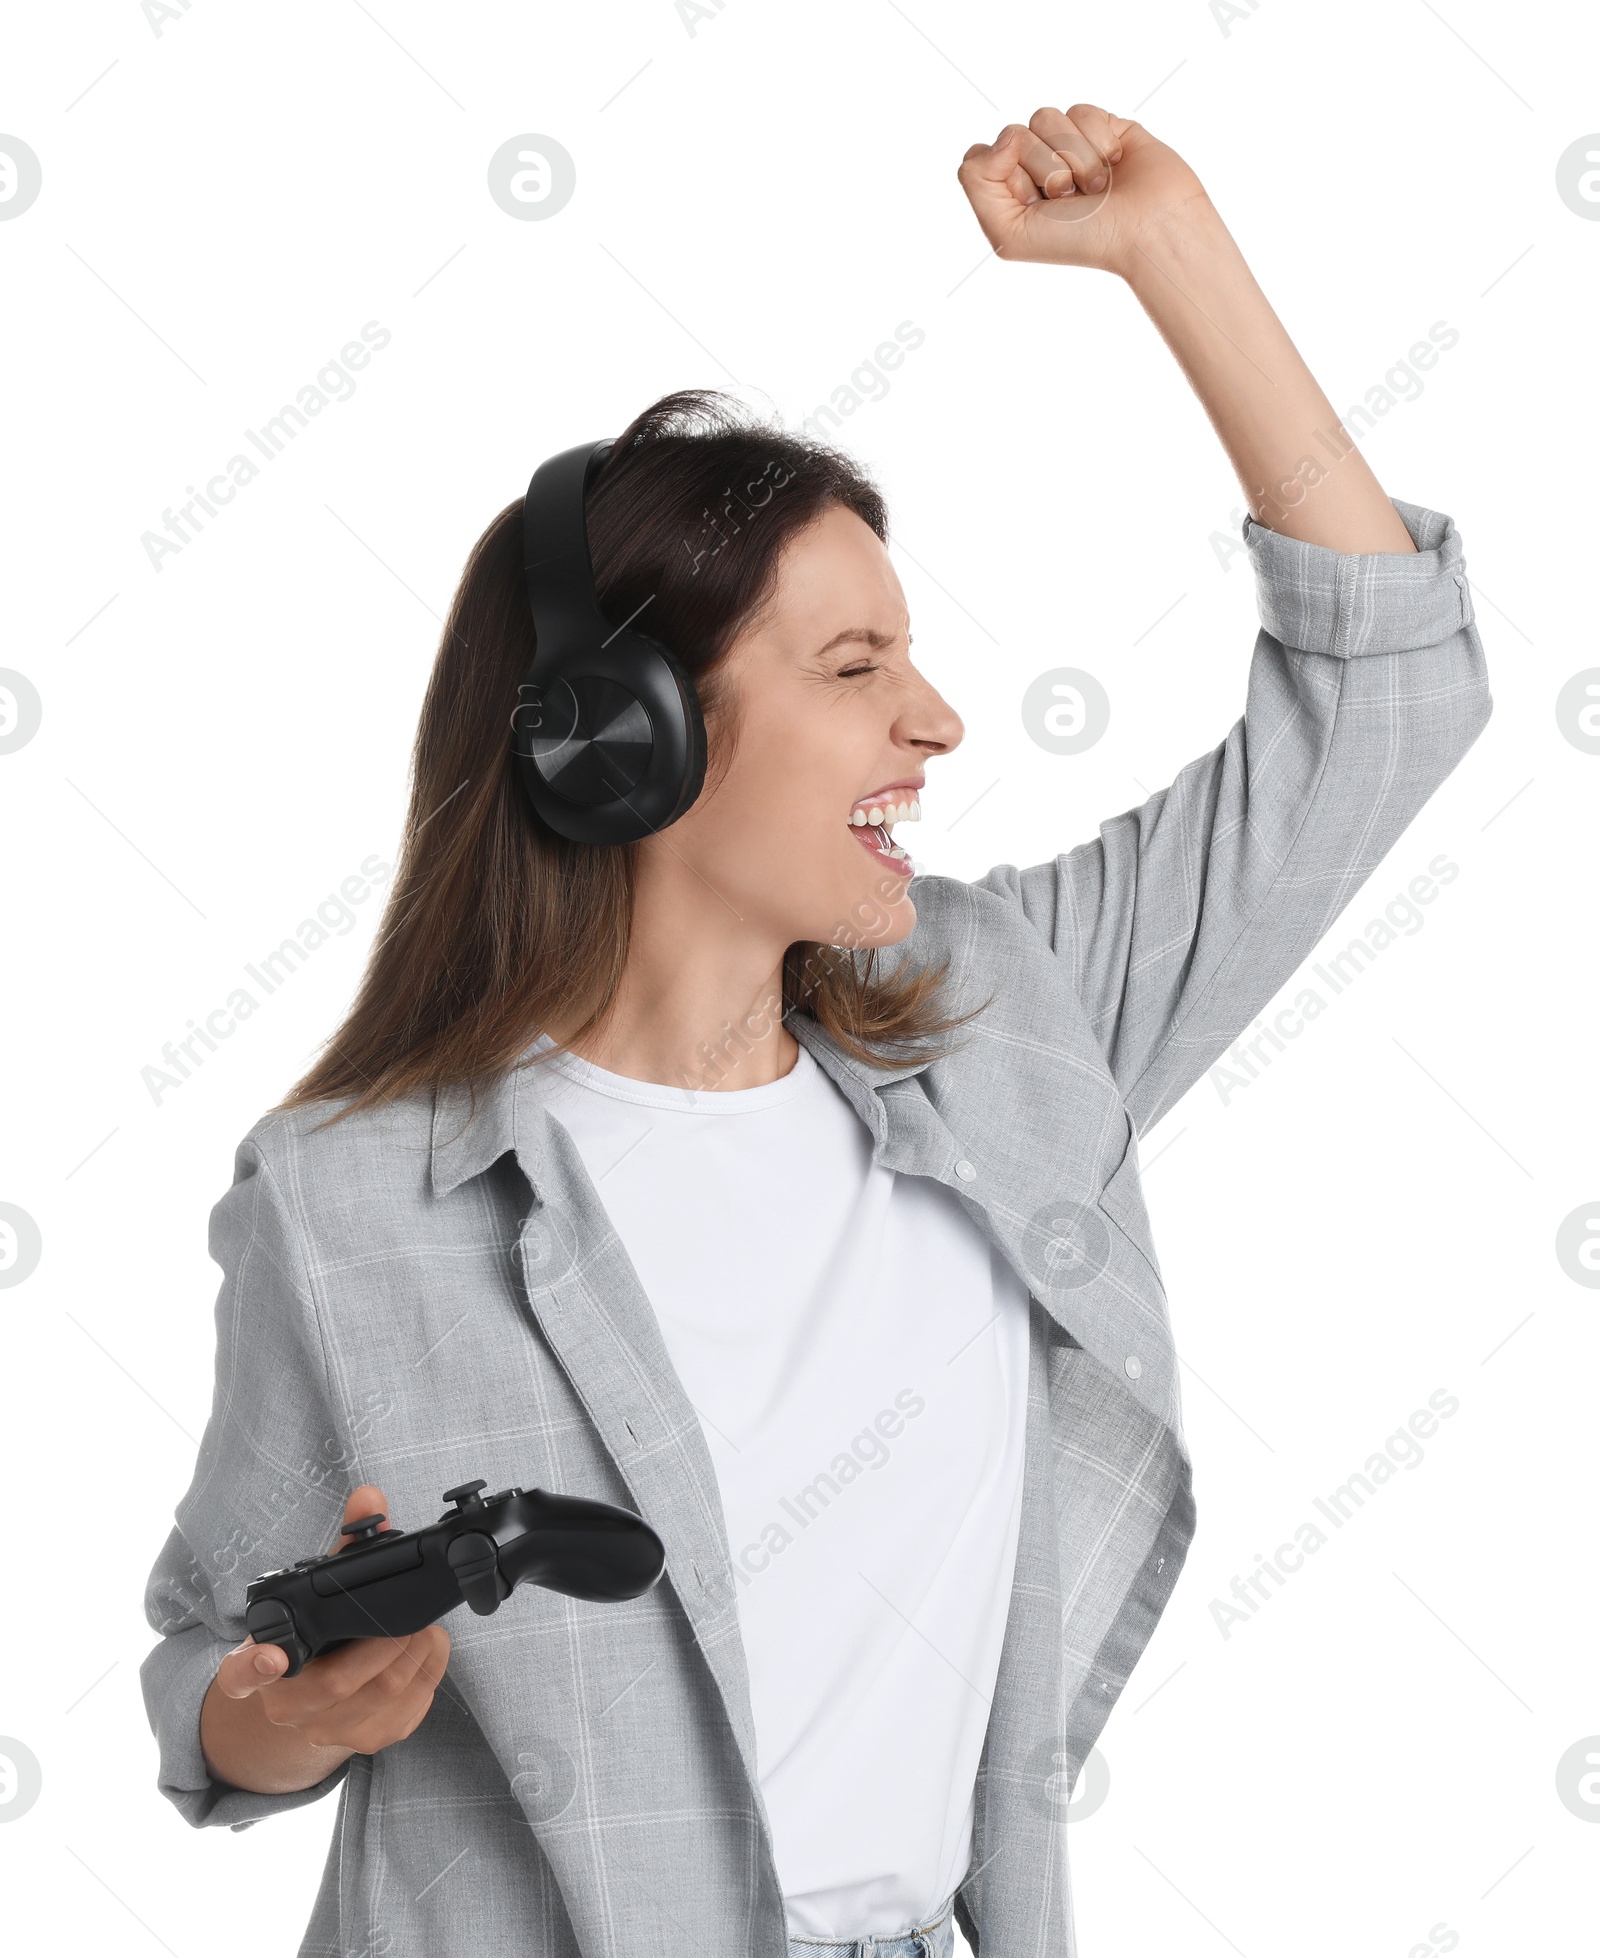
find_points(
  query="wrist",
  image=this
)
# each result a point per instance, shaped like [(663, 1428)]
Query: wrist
[(1175, 246)]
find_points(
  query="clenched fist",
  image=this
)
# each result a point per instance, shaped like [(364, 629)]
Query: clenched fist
[(1079, 188)]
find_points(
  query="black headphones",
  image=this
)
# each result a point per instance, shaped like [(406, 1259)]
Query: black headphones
[(608, 734)]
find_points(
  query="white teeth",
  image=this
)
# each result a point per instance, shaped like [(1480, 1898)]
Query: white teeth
[(887, 812)]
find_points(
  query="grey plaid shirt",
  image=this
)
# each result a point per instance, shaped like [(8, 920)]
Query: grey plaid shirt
[(411, 1298)]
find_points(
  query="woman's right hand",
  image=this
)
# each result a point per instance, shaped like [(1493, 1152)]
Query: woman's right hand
[(358, 1698)]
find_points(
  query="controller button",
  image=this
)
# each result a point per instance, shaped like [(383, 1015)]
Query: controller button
[(362, 1530), (464, 1494), (472, 1557)]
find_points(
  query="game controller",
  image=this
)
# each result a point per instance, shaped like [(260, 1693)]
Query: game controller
[(387, 1583)]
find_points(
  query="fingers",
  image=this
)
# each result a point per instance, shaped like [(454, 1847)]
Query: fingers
[(996, 185), (339, 1676), (1072, 153), (1022, 187), (992, 163), (1099, 127), (335, 1677), (249, 1667), (433, 1649), (389, 1703), (1059, 153)]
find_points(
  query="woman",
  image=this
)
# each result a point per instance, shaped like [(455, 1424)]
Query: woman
[(688, 1175)]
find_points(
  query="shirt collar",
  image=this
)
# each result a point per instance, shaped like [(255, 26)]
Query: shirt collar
[(472, 1131)]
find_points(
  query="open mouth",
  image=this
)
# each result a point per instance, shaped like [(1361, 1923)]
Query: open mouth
[(872, 822)]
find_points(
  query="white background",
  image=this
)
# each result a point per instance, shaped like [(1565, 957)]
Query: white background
[(1372, 1758)]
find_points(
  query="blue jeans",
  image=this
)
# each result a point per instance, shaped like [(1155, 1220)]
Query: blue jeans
[(935, 1939)]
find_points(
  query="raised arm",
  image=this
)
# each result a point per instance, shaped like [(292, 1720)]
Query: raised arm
[(1185, 915), (1087, 188)]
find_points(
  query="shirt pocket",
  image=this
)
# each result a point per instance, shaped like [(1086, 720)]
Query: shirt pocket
[(1122, 1203)]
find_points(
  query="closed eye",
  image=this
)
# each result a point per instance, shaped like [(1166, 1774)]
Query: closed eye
[(878, 641)]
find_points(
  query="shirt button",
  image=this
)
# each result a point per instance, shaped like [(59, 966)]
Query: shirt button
[(1132, 1366), (965, 1170)]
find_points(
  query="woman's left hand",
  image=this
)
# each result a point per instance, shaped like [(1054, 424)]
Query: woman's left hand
[(1079, 188)]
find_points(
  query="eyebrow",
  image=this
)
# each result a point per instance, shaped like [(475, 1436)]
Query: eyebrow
[(865, 635)]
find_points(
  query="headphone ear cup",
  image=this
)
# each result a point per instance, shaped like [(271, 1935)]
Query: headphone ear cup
[(611, 747), (608, 735)]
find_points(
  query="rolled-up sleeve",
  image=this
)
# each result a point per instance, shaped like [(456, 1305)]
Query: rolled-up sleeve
[(1183, 918), (268, 1487)]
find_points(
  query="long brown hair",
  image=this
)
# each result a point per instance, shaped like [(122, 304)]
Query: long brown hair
[(496, 925)]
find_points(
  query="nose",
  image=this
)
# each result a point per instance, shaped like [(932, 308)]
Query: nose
[(929, 722)]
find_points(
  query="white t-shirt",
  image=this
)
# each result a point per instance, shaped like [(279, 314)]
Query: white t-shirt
[(858, 1356)]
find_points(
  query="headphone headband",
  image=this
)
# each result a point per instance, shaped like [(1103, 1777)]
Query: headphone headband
[(555, 549)]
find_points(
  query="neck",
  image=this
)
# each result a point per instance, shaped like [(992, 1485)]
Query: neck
[(701, 999)]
